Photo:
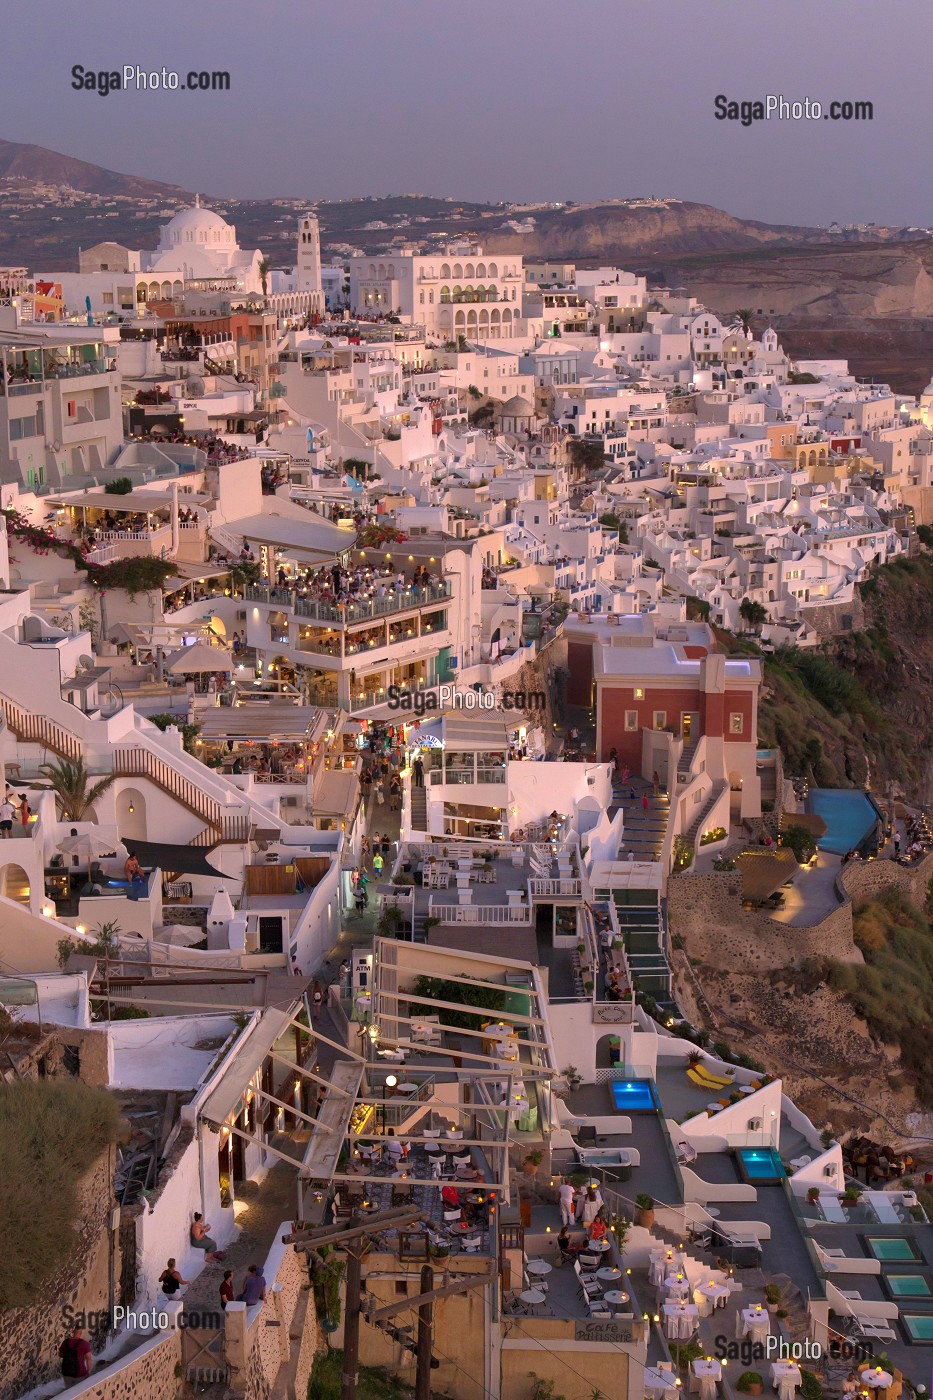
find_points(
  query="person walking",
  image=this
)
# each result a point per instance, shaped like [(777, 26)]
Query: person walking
[(567, 1196), (378, 862), (644, 800), (170, 1280), (317, 999), (7, 811), (656, 782), (254, 1286), (419, 771), (24, 812), (75, 1354)]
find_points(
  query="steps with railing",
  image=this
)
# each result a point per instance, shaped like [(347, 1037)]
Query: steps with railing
[(36, 729)]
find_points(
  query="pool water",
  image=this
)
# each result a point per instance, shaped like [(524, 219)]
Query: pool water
[(849, 816), (919, 1326), (760, 1165), (908, 1285), (890, 1247), (634, 1095)]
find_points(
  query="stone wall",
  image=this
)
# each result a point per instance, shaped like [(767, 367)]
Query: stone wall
[(32, 1336), (706, 912), (150, 1373), (834, 618), (257, 1353)]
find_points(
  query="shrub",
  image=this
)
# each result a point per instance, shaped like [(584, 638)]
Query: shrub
[(491, 998), (772, 1293), (121, 487), (644, 1201), (748, 1380), (810, 1388), (51, 1133)]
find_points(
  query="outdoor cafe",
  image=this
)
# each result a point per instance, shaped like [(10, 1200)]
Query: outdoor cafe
[(276, 744)]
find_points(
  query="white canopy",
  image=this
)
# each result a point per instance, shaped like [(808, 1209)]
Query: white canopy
[(199, 657)]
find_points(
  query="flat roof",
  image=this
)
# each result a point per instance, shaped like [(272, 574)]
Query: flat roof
[(475, 730), (263, 722), (132, 501), (290, 526), (244, 1061)]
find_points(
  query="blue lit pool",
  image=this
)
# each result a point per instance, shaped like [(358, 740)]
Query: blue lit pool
[(892, 1249), (919, 1326), (759, 1166), (849, 815), (634, 1095), (908, 1285)]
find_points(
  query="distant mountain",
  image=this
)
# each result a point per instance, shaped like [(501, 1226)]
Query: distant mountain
[(19, 161)]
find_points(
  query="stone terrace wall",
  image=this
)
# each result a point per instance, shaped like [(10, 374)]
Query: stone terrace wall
[(149, 1374), (32, 1336), (706, 912)]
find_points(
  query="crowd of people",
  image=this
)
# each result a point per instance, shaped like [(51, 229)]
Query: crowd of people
[(917, 840), (335, 585)]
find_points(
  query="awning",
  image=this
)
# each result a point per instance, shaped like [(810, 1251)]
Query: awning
[(764, 871), (335, 792), (133, 502), (296, 723), (239, 1067), (200, 658), (126, 633)]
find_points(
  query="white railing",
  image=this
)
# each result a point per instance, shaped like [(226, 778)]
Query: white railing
[(481, 913), (548, 889), (103, 555)]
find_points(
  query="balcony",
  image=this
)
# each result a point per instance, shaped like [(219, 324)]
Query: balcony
[(344, 614)]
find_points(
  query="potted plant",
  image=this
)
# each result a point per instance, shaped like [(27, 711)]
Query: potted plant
[(851, 1195), (750, 1383), (813, 1195), (618, 944), (772, 1294), (440, 1249), (694, 1059), (532, 1161), (572, 1077), (620, 1228), (645, 1210)]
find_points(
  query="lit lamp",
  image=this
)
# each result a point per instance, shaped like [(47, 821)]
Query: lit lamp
[(391, 1081)]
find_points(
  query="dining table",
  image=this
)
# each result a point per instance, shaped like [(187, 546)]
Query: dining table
[(538, 1268), (532, 1297), (680, 1320), (660, 1383), (710, 1296), (786, 1378), (609, 1274), (708, 1373), (875, 1378), (676, 1286), (598, 1246), (615, 1298), (756, 1324)]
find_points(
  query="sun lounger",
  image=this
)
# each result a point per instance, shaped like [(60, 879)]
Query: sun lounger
[(715, 1081), (871, 1327), (832, 1210)]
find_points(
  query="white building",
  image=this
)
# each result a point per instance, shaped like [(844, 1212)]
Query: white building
[(459, 291)]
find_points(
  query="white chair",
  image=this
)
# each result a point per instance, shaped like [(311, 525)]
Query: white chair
[(451, 1217), (471, 1244)]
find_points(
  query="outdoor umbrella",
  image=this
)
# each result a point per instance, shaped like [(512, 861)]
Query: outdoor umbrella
[(200, 657), (89, 844)]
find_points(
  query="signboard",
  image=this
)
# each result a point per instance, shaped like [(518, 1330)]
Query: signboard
[(615, 1330)]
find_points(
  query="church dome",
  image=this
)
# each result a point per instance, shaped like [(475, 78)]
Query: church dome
[(196, 226)]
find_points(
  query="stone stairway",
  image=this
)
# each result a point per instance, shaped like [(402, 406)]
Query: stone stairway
[(645, 828), (698, 823), (419, 808)]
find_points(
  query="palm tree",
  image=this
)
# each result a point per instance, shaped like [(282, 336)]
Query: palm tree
[(264, 266), (744, 318), (69, 782)]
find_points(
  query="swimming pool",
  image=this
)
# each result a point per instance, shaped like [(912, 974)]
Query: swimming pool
[(634, 1095), (759, 1166), (919, 1326), (908, 1285), (849, 815), (891, 1248)]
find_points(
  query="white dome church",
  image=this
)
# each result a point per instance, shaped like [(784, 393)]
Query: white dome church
[(202, 246)]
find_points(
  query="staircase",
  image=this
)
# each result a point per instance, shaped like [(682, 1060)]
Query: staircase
[(222, 826), (644, 829), (418, 808), (697, 825), (36, 729)]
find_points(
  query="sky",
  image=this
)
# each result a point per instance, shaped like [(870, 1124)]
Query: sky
[(497, 100)]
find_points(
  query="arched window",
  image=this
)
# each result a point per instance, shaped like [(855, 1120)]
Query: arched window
[(458, 270), (445, 296), (372, 271), (481, 269), (382, 272), (445, 269), (492, 270), (390, 273), (469, 270), (459, 321), (491, 293)]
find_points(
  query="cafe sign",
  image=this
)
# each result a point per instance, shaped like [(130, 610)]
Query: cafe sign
[(615, 1330)]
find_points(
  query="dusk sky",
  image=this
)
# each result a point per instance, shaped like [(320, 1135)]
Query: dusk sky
[(497, 99)]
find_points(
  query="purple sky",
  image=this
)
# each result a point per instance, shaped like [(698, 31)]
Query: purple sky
[(497, 99)]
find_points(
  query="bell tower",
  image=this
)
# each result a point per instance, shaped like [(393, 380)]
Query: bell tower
[(309, 256)]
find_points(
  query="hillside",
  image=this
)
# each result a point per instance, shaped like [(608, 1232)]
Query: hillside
[(26, 162), (857, 711)]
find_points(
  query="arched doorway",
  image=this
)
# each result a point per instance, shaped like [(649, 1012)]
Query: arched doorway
[(608, 1052), (131, 815), (15, 884)]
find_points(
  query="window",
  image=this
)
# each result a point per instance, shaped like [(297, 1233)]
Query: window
[(660, 719), (631, 721), (736, 724), (639, 693)]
